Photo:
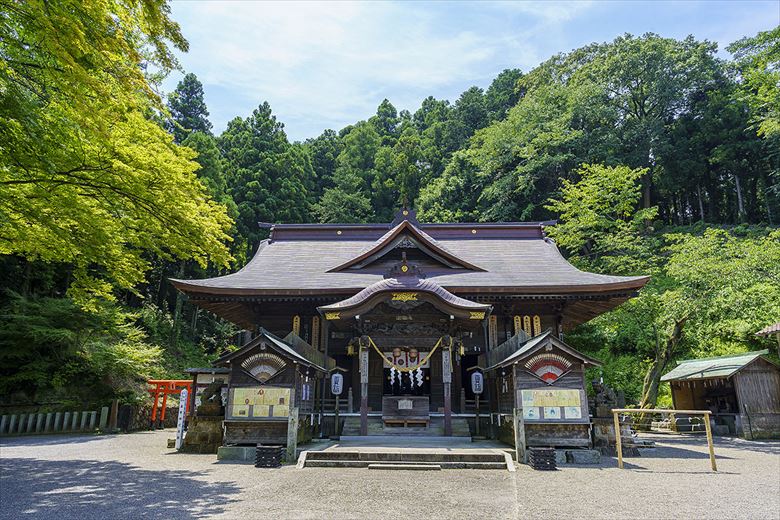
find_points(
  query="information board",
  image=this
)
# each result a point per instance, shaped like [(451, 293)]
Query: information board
[(547, 404), (259, 402)]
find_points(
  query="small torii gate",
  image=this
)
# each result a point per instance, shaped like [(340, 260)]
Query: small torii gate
[(165, 387)]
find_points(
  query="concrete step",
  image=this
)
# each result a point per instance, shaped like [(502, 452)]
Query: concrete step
[(414, 467)]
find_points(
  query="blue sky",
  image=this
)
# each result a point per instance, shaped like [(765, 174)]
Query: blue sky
[(325, 65)]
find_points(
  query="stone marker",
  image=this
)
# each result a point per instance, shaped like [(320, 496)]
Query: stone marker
[(12, 424), (3, 424), (21, 423), (66, 421), (31, 422), (74, 424), (103, 417), (92, 421), (57, 422), (39, 423), (84, 417), (49, 422)]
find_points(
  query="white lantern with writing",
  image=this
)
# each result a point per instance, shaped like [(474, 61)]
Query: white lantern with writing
[(477, 382), (336, 384)]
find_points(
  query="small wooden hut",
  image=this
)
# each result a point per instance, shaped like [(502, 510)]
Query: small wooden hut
[(742, 391), (271, 391), (544, 378)]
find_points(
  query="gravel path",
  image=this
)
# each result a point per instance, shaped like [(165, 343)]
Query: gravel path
[(135, 476)]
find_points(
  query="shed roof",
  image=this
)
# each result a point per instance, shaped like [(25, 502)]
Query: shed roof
[(713, 367), (769, 330), (535, 343), (275, 343)]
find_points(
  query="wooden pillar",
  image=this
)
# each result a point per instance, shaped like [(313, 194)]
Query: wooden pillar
[(292, 427), (446, 376), (363, 388), (521, 453), (709, 441), (519, 427), (618, 439), (324, 382)]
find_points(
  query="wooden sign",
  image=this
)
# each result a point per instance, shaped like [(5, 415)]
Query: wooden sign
[(446, 366), (182, 412), (364, 366)]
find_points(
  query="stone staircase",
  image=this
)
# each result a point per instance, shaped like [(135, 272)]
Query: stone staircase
[(406, 460), (460, 428)]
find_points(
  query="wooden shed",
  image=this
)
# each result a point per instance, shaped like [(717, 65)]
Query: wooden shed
[(540, 383), (271, 391), (742, 391)]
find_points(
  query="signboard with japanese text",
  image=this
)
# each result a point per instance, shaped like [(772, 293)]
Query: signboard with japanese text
[(259, 402)]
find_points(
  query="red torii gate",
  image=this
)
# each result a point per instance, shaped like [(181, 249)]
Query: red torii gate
[(165, 387)]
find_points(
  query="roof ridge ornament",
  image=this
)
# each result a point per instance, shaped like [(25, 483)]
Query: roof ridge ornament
[(405, 214), (404, 269)]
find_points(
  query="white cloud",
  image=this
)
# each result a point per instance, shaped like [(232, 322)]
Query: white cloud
[(329, 64)]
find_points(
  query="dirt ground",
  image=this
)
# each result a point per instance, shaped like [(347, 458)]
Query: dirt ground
[(136, 476)]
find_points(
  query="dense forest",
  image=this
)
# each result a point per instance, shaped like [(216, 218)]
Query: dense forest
[(657, 156)]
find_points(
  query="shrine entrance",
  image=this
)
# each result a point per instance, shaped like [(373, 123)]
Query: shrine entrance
[(408, 332)]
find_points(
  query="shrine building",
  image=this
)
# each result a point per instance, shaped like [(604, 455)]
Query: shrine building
[(401, 316)]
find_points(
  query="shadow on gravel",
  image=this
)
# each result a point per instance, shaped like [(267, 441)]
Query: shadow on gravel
[(107, 490)]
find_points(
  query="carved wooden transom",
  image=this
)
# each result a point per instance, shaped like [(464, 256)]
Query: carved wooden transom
[(263, 366), (548, 366)]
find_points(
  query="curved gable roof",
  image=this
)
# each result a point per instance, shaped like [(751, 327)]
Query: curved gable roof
[(390, 240)]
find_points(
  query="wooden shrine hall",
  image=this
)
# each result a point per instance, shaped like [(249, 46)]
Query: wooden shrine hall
[(406, 312)]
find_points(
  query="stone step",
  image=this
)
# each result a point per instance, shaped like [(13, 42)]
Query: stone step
[(368, 463), (405, 456), (414, 467)]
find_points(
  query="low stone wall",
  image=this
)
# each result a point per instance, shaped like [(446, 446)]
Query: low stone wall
[(761, 426)]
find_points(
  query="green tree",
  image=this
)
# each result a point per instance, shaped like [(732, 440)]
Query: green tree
[(503, 93), (188, 109), (600, 225), (758, 60), (51, 349), (324, 151), (269, 179), (86, 178)]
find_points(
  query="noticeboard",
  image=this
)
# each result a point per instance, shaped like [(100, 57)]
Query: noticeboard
[(547, 404), (259, 402)]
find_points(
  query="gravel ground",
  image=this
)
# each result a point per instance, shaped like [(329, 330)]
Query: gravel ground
[(134, 476)]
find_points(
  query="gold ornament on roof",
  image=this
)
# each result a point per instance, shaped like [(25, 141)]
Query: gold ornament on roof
[(404, 296), (332, 315), (476, 315)]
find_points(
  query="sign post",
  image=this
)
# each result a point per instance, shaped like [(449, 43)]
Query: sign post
[(336, 387), (477, 385), (182, 417)]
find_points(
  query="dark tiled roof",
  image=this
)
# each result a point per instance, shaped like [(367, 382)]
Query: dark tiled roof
[(516, 259)]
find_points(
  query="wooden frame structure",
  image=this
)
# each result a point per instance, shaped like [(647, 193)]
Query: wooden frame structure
[(619, 442)]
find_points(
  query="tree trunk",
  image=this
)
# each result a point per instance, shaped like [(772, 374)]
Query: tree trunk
[(663, 353), (701, 203), (177, 310), (740, 202)]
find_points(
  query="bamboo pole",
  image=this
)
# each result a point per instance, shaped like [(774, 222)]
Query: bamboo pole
[(618, 441), (709, 442)]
